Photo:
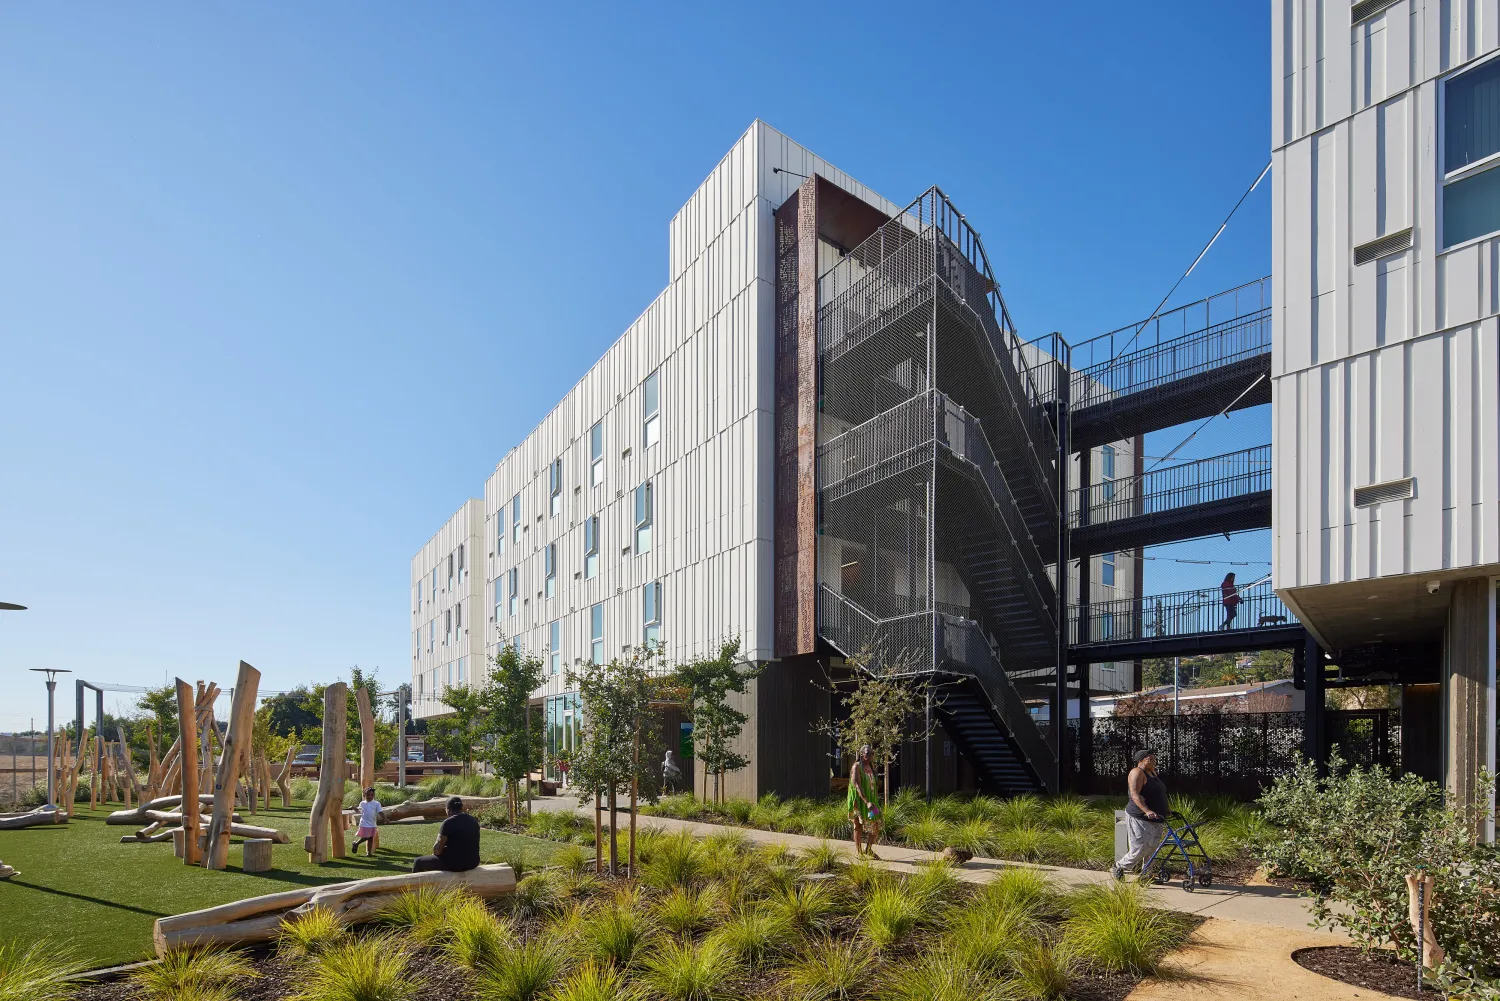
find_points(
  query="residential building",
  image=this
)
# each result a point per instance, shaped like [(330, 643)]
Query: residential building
[(447, 614), (1386, 241)]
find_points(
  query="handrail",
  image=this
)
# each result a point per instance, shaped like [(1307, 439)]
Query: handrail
[(1242, 300), (1221, 477), (966, 651), (1168, 361), (879, 441), (1177, 614)]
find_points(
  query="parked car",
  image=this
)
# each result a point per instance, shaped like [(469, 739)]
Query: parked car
[(307, 758)]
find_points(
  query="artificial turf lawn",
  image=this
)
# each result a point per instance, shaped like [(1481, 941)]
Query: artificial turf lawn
[(80, 887)]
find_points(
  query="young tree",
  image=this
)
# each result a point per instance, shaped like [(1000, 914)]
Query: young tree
[(616, 699), (506, 700), (706, 685), (456, 735), (885, 698), (307, 718)]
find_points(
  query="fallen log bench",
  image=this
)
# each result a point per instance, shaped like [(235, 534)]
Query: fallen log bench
[(258, 919), (146, 811), (31, 818), (435, 808), (151, 834)]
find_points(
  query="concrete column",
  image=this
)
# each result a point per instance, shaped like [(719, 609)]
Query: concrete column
[(1468, 647)]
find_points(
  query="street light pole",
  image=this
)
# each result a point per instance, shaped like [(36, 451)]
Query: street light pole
[(51, 673)]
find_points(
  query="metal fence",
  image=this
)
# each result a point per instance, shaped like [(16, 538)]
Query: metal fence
[(1220, 477), (1232, 753), (23, 766)]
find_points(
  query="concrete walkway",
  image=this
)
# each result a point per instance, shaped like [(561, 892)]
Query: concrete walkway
[(1263, 905)]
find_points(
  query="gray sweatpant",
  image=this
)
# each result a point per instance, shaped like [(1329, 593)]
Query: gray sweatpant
[(1144, 835)]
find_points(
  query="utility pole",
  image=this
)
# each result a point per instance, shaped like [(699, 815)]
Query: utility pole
[(52, 673)]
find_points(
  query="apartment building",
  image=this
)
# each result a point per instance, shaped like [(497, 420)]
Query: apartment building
[(822, 438), (1386, 244), (448, 616)]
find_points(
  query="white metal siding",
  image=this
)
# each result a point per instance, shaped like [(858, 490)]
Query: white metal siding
[(1386, 369), (462, 529)]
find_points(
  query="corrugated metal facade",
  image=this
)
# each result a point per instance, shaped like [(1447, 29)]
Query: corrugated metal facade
[(448, 613), (710, 339), (1387, 369)]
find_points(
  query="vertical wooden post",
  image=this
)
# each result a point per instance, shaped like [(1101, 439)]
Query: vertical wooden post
[(366, 749), (236, 749), (326, 819), (265, 779), (187, 715), (153, 776), (131, 787), (93, 752), (284, 780)]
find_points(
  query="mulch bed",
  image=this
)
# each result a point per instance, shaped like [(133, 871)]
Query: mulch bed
[(1374, 971)]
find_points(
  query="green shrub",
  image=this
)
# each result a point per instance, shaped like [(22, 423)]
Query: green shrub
[(937, 976), (1021, 811), (593, 982), (929, 833), (1041, 973), (537, 894), (825, 857), (863, 876), (683, 911), (989, 939), (310, 934), (1025, 842), (830, 970), (677, 860), (682, 806), (1078, 848), (522, 972), (737, 810), (303, 788), (1024, 890), (977, 836), (191, 974), (475, 937), (373, 968), (829, 821), (1356, 834), (755, 936), (1067, 813), (422, 911), (682, 971), (769, 812), (891, 913), (1111, 929), (980, 808), (804, 906), (612, 935), (572, 859), (36, 972), (935, 884)]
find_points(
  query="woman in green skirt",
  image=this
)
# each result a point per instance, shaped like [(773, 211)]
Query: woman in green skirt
[(864, 811)]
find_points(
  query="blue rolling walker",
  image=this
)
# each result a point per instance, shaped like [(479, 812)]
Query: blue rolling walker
[(1180, 845)]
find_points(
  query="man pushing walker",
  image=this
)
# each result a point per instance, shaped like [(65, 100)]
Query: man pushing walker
[(1144, 814)]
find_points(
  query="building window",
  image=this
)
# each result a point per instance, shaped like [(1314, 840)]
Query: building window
[(515, 518), (514, 590), (1107, 570), (643, 517), (1107, 471), (450, 571), (554, 483), (431, 634), (596, 633), (419, 598), (461, 568), (447, 627), (596, 455), (650, 411), (554, 647), (499, 589), (651, 614), (1471, 140), (551, 561), (500, 531), (450, 674), (461, 677), (1107, 625), (434, 583), (458, 619), (591, 547)]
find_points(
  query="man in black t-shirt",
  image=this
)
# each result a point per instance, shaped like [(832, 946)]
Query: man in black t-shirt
[(457, 846)]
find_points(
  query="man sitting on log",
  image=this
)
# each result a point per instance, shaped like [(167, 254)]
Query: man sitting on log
[(457, 846)]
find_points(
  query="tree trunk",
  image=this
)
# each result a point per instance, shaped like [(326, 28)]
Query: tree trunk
[(188, 720), (885, 785), (326, 819), (284, 780), (614, 840), (236, 751), (598, 834), (366, 739)]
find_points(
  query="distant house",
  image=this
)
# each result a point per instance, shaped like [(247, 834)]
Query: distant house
[(1258, 696)]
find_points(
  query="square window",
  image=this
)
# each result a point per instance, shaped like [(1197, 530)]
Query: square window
[(1107, 570)]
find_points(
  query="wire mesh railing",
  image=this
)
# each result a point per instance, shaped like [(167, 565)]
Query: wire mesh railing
[(894, 440), (966, 651), (1217, 310), (856, 632), (1222, 477), (1179, 614)]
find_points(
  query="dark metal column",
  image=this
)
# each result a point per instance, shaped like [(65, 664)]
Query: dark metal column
[(1314, 725), (1085, 623), (1059, 709)]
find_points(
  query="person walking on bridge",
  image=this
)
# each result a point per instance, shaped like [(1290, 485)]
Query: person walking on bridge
[(1231, 597), (1145, 814)]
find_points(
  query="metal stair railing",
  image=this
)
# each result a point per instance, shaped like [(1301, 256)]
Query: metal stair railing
[(966, 651), (1221, 477), (853, 630), (1178, 614), (888, 443), (964, 436)]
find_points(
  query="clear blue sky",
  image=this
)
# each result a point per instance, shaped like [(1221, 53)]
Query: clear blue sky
[(280, 284)]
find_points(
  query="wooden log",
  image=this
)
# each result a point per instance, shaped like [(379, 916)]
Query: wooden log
[(284, 780), (235, 830), (236, 750), (133, 786), (265, 778), (173, 817), (206, 757), (31, 818), (256, 855), (153, 766), (139, 815), (327, 805), (435, 808), (187, 716), (258, 919), (366, 739), (178, 840)]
